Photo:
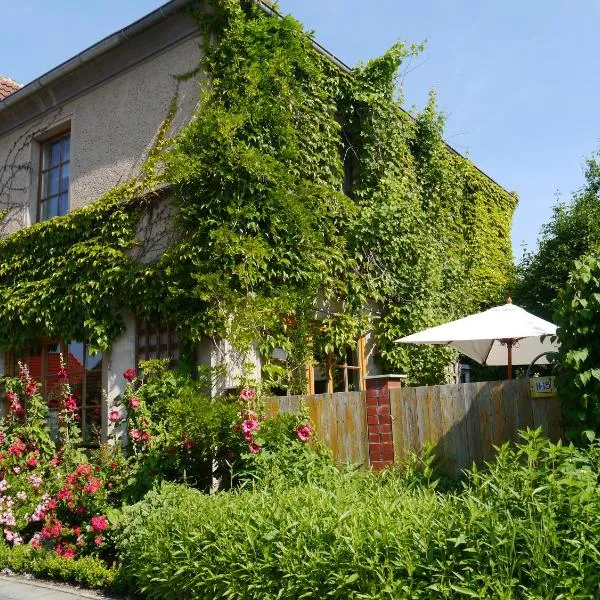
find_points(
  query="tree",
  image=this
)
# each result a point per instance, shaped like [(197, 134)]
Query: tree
[(577, 309), (573, 230)]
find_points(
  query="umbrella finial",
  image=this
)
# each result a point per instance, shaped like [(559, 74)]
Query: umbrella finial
[(509, 300)]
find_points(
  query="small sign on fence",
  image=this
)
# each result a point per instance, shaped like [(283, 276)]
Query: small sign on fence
[(542, 387)]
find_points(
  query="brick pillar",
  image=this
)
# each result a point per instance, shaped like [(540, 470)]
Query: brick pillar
[(379, 419)]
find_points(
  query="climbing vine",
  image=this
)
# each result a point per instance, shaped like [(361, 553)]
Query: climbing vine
[(310, 208)]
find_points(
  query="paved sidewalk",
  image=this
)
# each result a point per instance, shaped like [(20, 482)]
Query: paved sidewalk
[(21, 588)]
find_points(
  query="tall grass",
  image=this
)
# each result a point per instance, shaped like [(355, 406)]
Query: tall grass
[(527, 527)]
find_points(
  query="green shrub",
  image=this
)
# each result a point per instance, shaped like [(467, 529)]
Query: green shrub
[(526, 528), (89, 571), (577, 311)]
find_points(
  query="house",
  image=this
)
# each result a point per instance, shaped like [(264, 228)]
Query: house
[(85, 128)]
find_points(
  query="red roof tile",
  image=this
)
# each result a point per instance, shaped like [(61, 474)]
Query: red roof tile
[(7, 87)]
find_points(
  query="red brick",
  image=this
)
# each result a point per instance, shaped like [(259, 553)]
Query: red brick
[(385, 437), (382, 428), (373, 420), (384, 410), (374, 438), (389, 456), (386, 447), (373, 410)]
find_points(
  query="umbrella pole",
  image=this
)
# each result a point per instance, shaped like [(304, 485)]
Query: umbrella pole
[(509, 347)]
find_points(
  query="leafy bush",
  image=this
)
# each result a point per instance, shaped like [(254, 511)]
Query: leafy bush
[(526, 528), (577, 311)]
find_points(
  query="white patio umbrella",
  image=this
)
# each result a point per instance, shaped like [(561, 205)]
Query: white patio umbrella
[(504, 335)]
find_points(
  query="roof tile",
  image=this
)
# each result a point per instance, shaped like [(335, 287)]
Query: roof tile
[(7, 87)]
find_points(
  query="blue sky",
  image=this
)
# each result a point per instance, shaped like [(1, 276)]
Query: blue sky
[(518, 80)]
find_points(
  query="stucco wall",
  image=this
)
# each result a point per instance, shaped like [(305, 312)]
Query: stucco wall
[(112, 127)]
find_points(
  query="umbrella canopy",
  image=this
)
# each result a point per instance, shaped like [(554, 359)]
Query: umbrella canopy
[(503, 335)]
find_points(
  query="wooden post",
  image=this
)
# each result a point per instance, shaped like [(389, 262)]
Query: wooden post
[(509, 347)]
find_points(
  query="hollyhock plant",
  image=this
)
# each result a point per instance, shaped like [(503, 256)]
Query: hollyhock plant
[(304, 432), (247, 394), (130, 375), (115, 415), (254, 447)]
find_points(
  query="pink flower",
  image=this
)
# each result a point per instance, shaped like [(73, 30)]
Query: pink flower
[(248, 436), (98, 523), (2, 438), (247, 394), (134, 402), (304, 432), (32, 463), (31, 388), (115, 415), (36, 541), (98, 540), (68, 552), (62, 374), (254, 447), (130, 375), (54, 462), (250, 425)]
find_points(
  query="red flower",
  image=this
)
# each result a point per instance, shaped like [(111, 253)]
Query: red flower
[(77, 531), (62, 374), (254, 447), (65, 494), (130, 375), (17, 448), (84, 469), (98, 523), (93, 486), (54, 462), (70, 403), (32, 463), (31, 388), (134, 403), (52, 504)]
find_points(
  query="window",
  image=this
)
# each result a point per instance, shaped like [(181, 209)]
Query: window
[(156, 341), (342, 370), (53, 198), (85, 378)]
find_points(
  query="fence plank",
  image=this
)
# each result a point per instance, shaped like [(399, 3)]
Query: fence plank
[(399, 412), (411, 435)]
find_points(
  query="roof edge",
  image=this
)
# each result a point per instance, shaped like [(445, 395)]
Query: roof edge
[(104, 45)]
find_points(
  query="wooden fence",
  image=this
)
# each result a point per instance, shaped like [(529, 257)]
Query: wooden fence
[(340, 421), (463, 421)]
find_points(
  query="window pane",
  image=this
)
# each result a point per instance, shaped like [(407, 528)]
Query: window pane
[(66, 148), (63, 204), (64, 178), (50, 208), (51, 154), (50, 183), (75, 359), (93, 363)]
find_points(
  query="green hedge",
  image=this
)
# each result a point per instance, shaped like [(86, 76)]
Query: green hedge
[(526, 528), (88, 572)]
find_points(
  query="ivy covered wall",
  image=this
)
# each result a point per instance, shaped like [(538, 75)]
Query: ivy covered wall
[(310, 208)]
